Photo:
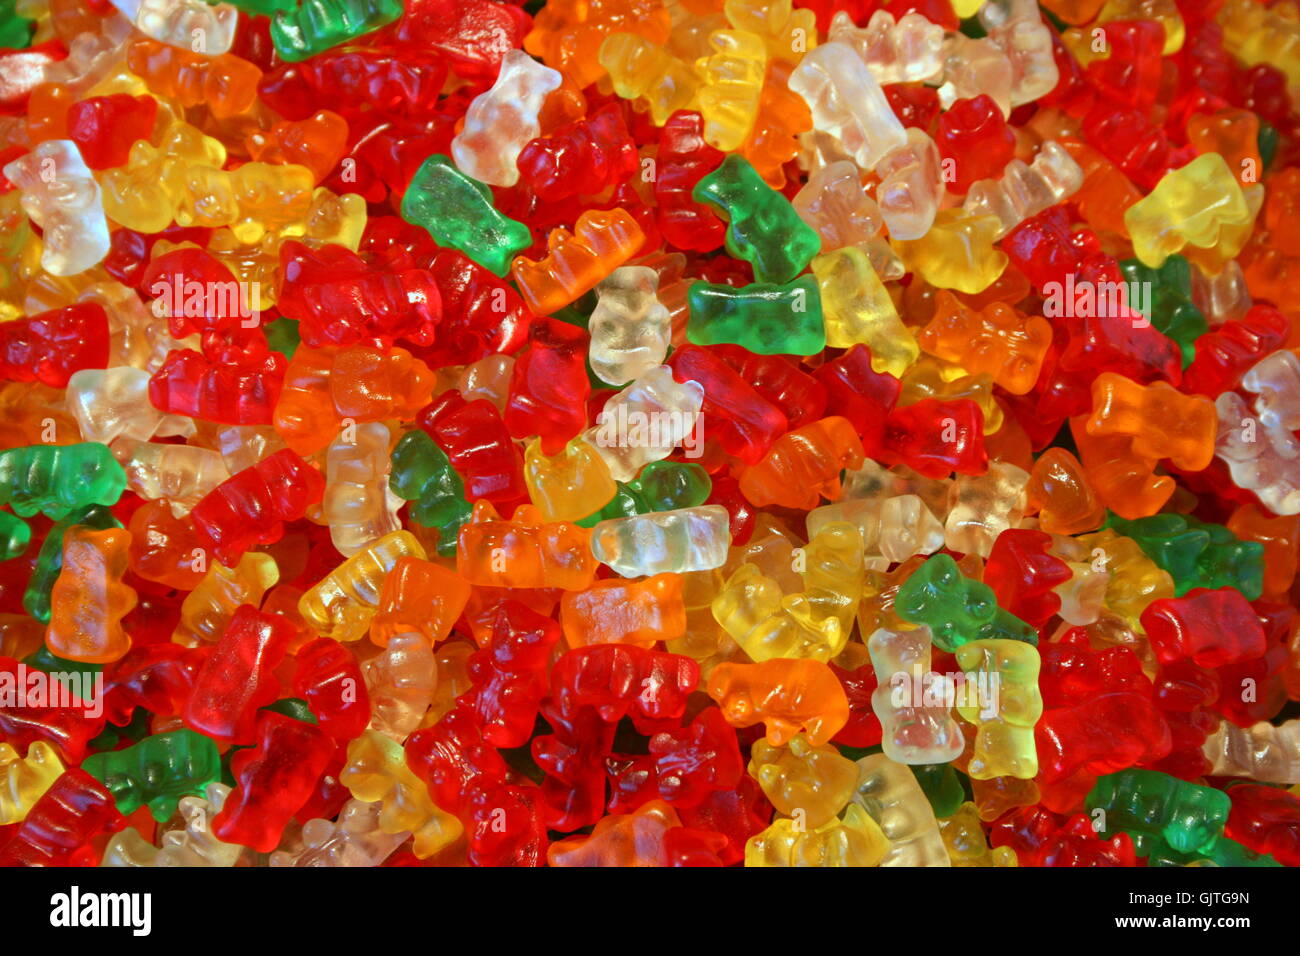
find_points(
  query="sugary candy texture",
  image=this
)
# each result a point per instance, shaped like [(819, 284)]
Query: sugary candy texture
[(651, 433)]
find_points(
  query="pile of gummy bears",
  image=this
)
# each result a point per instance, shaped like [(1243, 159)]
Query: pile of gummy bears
[(649, 433)]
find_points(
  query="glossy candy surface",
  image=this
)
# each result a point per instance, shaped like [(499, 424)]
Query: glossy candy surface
[(650, 433)]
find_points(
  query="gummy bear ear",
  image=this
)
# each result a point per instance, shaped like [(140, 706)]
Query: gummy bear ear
[(949, 575)]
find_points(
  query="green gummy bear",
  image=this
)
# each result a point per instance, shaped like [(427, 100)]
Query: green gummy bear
[(626, 503), (957, 609), (1188, 817), (264, 8), (157, 771), (302, 31), (58, 479), (282, 336), (1267, 141), (857, 753), (670, 485), (49, 560), (1197, 554), (763, 228), (112, 737), (1225, 852), (15, 536), (1171, 310), (422, 474), (661, 486), (458, 213), (942, 787), (15, 31), (765, 318)]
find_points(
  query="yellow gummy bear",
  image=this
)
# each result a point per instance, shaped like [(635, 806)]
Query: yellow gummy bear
[(24, 780), (207, 609), (732, 87), (251, 200), (957, 253), (182, 180), (1135, 580), (343, 603), (807, 783), (930, 377), (1005, 708), (1232, 238), (569, 485), (330, 219), (642, 70), (1193, 205), (857, 308), (758, 614), (786, 32), (143, 195), (767, 623), (832, 573), (376, 771), (855, 840), (963, 836), (15, 234), (1256, 34)]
